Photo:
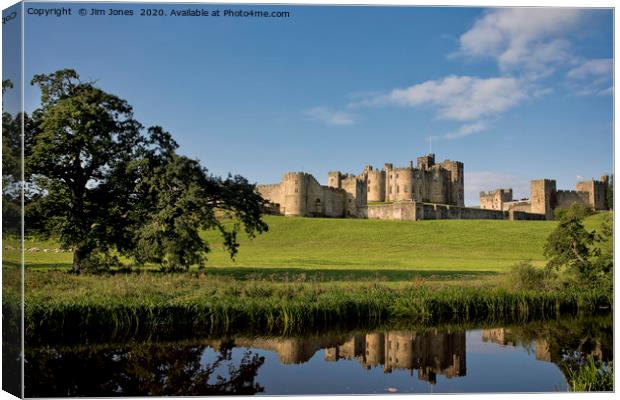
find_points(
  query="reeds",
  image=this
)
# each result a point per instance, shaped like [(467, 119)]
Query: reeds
[(154, 304), (592, 376)]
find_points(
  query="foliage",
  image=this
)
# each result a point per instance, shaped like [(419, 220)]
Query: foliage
[(602, 264), (568, 246), (524, 276), (584, 257), (83, 139), (576, 210), (11, 168), (104, 186), (592, 376), (60, 305), (609, 195)]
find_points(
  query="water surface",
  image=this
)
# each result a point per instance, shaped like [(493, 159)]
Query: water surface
[(531, 357)]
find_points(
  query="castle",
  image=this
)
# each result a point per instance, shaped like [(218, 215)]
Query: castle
[(545, 198), (427, 191), (347, 195)]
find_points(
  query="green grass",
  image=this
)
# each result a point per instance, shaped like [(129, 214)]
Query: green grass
[(60, 304), (304, 274), (592, 376), (456, 246), (343, 249)]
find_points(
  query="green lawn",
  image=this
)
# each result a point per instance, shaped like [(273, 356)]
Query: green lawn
[(357, 249), (373, 245)]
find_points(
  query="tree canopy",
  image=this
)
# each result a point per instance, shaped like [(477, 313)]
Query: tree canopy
[(586, 257), (107, 186)]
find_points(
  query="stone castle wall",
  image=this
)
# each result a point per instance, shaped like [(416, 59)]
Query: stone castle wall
[(415, 211), (300, 194), (495, 199), (545, 198), (565, 198), (597, 192)]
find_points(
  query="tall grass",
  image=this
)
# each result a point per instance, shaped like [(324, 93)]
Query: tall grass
[(592, 376), (59, 304)]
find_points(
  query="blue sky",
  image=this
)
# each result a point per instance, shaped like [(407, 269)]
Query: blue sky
[(516, 94)]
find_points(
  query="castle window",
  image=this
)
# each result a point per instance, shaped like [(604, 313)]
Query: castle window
[(397, 189), (369, 181), (405, 188), (396, 176), (368, 189)]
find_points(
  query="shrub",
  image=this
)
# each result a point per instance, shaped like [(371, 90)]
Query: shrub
[(579, 211), (524, 276)]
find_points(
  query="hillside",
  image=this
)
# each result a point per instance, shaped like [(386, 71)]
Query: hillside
[(443, 245)]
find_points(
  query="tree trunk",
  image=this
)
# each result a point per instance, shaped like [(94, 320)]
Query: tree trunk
[(78, 256)]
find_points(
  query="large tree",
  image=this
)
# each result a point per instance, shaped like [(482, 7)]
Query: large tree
[(102, 183), (178, 198), (82, 139)]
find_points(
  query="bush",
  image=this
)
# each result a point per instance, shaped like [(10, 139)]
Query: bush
[(524, 276), (579, 211)]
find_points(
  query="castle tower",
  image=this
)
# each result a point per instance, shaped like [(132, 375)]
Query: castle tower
[(543, 197), (375, 349), (457, 185), (389, 182), (334, 179), (403, 184), (295, 194), (375, 180), (597, 192), (426, 162)]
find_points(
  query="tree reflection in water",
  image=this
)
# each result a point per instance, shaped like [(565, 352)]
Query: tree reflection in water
[(207, 366), (139, 370)]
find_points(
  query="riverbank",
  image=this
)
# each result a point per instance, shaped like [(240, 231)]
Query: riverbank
[(126, 305)]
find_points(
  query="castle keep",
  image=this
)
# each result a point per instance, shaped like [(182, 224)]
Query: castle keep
[(427, 190), (348, 195)]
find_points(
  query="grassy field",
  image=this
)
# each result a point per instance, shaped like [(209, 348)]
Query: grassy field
[(363, 249), (305, 274)]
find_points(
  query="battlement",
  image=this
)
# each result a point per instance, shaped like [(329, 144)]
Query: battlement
[(494, 192)]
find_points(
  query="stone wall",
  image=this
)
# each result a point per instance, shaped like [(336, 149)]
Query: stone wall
[(416, 211), (565, 198), (300, 194), (405, 211), (495, 199), (518, 205), (597, 192)]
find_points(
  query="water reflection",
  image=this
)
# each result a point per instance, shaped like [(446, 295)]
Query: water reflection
[(430, 353), (355, 362)]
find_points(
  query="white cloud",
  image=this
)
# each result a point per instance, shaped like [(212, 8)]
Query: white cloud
[(466, 130), (592, 77), (329, 116), (460, 98), (527, 41), (483, 181), (598, 68)]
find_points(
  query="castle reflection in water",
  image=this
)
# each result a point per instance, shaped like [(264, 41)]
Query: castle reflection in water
[(430, 353)]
